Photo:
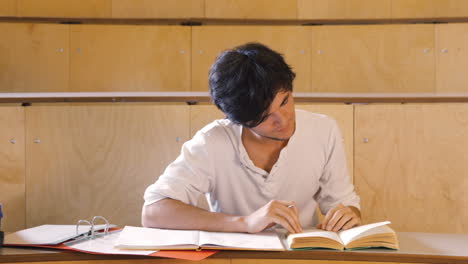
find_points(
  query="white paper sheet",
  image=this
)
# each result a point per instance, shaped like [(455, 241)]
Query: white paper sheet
[(105, 245), (46, 234)]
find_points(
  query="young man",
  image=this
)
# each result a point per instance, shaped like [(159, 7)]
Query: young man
[(264, 165)]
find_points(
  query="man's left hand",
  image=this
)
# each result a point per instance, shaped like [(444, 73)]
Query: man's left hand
[(341, 218)]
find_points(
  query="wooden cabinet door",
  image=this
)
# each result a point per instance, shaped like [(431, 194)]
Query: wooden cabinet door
[(12, 167), (344, 9), (129, 58), (407, 9), (158, 9), (65, 8), (98, 159), (411, 165), (251, 9), (291, 41), (202, 115), (373, 58), (33, 57), (8, 8), (344, 116), (452, 58)]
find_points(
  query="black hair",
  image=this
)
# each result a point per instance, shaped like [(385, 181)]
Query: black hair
[(244, 81)]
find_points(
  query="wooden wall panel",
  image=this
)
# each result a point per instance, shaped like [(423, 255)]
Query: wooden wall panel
[(34, 57), (98, 159), (429, 9), (7, 8), (12, 168), (202, 115), (292, 41), (373, 58), (411, 164), (251, 9), (452, 58), (344, 9), (130, 58), (65, 8), (344, 116), (158, 9)]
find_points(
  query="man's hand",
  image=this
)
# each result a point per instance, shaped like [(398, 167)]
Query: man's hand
[(284, 213), (341, 218)]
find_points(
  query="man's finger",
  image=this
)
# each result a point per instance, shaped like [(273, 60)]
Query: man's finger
[(335, 219), (290, 216), (282, 222), (329, 216), (344, 219), (352, 223)]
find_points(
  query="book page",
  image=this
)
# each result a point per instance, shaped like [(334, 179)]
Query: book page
[(105, 245), (314, 232), (153, 238), (351, 234), (266, 240), (47, 234)]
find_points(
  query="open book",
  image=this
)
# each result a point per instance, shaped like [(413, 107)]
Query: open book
[(365, 236), (168, 239)]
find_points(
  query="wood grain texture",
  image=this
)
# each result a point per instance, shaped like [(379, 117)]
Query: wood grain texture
[(98, 159), (12, 168), (139, 261), (292, 41), (344, 116), (251, 9), (7, 8), (429, 9), (301, 261), (158, 9), (412, 170), (373, 58), (65, 8), (344, 9), (34, 57), (452, 58), (202, 115), (129, 58)]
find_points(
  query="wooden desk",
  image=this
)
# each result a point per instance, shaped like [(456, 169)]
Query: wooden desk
[(415, 248)]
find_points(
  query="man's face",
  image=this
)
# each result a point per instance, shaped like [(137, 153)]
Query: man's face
[(280, 123)]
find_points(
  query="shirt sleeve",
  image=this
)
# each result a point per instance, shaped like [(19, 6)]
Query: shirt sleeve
[(335, 182), (188, 177)]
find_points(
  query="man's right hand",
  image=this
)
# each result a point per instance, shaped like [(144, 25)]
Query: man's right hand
[(284, 213)]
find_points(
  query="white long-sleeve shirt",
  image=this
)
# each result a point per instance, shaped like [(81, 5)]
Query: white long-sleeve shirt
[(311, 169)]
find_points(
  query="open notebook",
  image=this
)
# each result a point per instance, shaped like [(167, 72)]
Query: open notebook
[(167, 239)]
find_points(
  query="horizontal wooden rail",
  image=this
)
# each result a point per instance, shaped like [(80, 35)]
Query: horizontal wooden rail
[(203, 97), (212, 21)]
